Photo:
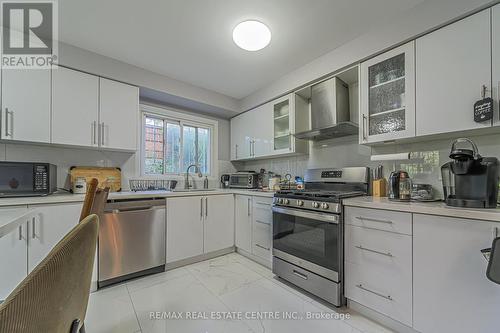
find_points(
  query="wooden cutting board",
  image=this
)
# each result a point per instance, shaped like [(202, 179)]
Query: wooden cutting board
[(107, 177)]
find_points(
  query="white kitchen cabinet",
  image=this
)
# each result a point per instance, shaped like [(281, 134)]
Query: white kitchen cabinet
[(243, 222), (75, 107), (50, 225), (219, 222), (267, 131), (26, 105), (387, 95), (184, 227), (495, 39), (450, 290), (13, 253), (453, 63), (118, 115), (262, 221)]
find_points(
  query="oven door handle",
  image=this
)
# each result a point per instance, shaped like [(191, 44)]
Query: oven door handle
[(330, 218)]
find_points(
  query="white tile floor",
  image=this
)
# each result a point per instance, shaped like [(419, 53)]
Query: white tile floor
[(230, 283)]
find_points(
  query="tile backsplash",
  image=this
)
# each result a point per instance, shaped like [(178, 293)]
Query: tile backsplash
[(424, 167)]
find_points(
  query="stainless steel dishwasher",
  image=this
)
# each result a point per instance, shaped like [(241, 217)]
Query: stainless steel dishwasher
[(131, 240)]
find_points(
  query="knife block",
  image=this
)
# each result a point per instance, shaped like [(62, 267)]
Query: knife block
[(379, 187)]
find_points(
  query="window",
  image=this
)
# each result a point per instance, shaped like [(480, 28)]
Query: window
[(172, 144)]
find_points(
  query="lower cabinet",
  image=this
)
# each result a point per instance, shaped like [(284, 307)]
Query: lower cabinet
[(243, 222), (253, 223), (450, 289), (14, 251), (198, 225), (262, 221), (25, 248), (49, 226)]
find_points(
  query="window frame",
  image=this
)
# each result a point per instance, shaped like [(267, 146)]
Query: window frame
[(183, 119)]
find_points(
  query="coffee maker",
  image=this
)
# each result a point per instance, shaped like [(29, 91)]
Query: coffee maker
[(224, 181), (470, 180)]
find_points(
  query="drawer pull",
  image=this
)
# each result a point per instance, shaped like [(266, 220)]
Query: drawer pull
[(299, 274), (388, 254), (263, 222), (360, 286), (361, 218), (263, 247), (263, 203)]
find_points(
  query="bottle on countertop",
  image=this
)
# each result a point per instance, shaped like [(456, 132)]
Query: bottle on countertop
[(205, 182)]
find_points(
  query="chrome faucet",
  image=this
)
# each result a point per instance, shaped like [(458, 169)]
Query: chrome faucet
[(187, 186)]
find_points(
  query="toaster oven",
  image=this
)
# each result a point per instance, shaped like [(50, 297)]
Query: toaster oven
[(243, 180)]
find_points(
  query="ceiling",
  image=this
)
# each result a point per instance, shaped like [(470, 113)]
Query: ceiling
[(191, 40)]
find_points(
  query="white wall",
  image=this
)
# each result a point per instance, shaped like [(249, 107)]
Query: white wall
[(178, 91), (420, 19)]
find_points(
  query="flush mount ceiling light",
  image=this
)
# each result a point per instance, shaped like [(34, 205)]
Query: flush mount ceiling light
[(251, 35)]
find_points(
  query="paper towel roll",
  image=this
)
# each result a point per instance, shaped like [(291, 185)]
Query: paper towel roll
[(391, 157)]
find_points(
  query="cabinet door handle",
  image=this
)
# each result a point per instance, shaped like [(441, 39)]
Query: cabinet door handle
[(248, 206), (102, 134), (299, 274), (360, 286), (387, 254), (9, 122), (94, 132), (206, 206), (236, 151), (362, 218), (201, 208), (33, 232), (363, 129), (20, 232)]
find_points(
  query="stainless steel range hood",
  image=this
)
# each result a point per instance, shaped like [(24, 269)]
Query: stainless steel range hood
[(330, 117)]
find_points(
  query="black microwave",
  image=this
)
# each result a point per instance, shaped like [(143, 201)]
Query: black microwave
[(26, 179)]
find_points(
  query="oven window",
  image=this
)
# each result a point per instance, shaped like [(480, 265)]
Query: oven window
[(16, 178), (308, 239), (239, 181)]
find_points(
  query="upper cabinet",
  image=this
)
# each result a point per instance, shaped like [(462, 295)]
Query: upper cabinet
[(453, 64), (75, 106), (495, 38), (26, 105), (267, 131), (118, 115), (69, 107), (387, 96)]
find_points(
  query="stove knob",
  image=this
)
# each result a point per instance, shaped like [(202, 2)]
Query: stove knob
[(280, 201), (324, 205), (315, 204), (286, 201), (300, 203)]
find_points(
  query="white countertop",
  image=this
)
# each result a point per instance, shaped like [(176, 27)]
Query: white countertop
[(430, 208), (64, 197)]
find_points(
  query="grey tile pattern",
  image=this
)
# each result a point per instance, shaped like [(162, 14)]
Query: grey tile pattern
[(228, 283)]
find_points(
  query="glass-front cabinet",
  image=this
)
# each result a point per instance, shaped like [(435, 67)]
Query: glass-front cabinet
[(282, 139), (388, 96)]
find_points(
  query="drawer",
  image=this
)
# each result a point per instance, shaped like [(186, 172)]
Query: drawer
[(262, 209), (379, 219), (373, 289), (390, 252), (262, 240)]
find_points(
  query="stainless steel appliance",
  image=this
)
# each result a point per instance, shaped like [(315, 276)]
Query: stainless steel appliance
[(308, 230), (131, 240), (395, 180), (244, 179), (25, 179), (330, 117), (224, 181), (470, 180)]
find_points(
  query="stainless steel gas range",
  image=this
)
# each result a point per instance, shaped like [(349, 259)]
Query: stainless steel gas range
[(308, 230)]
